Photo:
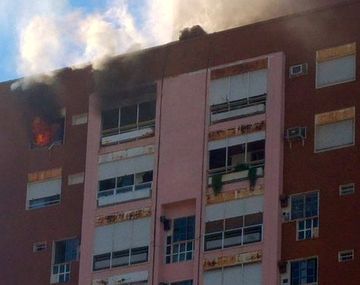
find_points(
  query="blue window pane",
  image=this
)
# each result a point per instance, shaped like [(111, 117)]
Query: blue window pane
[(304, 271), (297, 207), (311, 202), (184, 229), (71, 249)]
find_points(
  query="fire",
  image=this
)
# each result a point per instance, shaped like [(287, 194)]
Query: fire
[(42, 132)]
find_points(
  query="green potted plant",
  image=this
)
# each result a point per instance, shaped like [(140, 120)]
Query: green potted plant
[(216, 183)]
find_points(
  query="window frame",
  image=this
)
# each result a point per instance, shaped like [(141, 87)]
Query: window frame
[(63, 268), (242, 235), (228, 168), (301, 260), (170, 244), (314, 230), (138, 125)]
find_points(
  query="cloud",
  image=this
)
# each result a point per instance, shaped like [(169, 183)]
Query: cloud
[(57, 35)]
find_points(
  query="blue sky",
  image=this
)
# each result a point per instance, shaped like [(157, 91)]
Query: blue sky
[(16, 14)]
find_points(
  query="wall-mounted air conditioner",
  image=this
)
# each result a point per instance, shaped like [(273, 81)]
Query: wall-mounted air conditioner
[(298, 70)]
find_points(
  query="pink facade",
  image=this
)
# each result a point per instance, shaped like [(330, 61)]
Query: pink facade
[(180, 183)]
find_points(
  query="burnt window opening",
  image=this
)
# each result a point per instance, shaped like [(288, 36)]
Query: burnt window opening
[(45, 133), (126, 119)]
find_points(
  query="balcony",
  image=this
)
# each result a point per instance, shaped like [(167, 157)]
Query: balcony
[(120, 135), (238, 108), (124, 194)]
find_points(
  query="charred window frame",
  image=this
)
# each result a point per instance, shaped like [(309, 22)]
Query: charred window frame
[(128, 118), (47, 134), (228, 158)]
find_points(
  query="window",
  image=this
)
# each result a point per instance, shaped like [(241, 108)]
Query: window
[(187, 282), (335, 135), (43, 193), (347, 189), (305, 210), (335, 65), (47, 133), (65, 251), (233, 231), (346, 255), (126, 183), (335, 129), (121, 244), (303, 271), (180, 244), (238, 93), (125, 180), (246, 274), (127, 119), (230, 157)]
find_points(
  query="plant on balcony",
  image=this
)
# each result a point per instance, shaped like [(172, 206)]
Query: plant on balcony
[(241, 167), (216, 183), (252, 176)]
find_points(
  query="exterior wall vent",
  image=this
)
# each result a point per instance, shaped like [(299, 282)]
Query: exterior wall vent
[(346, 189), (39, 246), (346, 255), (298, 70)]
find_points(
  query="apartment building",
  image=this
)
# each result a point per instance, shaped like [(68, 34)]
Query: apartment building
[(225, 158)]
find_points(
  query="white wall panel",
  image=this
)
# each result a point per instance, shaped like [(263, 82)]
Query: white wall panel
[(336, 71), (103, 239), (126, 166), (213, 277)]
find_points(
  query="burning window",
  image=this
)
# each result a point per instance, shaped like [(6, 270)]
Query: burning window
[(45, 133)]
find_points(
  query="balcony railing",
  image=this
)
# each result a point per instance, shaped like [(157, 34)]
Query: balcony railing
[(232, 173), (239, 108), (127, 133), (123, 194), (44, 202), (60, 273)]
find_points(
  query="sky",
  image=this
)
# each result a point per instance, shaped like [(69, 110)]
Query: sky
[(39, 36), (17, 15)]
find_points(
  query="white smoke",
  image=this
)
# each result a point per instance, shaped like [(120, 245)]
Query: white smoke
[(68, 36)]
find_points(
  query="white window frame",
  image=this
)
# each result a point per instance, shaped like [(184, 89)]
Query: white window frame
[(243, 228), (314, 230), (133, 187), (151, 123), (302, 259), (185, 243)]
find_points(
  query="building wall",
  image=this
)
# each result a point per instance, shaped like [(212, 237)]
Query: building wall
[(21, 227), (181, 72)]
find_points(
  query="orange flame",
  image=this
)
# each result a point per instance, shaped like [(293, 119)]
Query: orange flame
[(42, 133)]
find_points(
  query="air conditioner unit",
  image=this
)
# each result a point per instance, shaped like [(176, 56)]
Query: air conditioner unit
[(298, 70), (284, 271), (286, 215), (296, 133)]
